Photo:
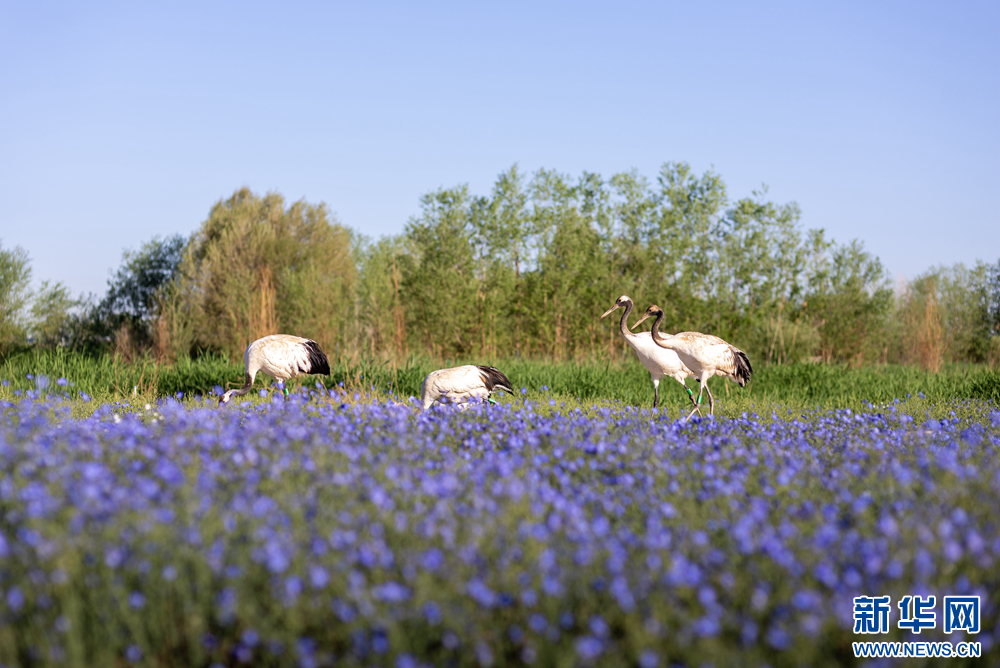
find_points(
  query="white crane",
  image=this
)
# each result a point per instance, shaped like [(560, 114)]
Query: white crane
[(280, 356), (462, 384), (658, 361), (705, 354)]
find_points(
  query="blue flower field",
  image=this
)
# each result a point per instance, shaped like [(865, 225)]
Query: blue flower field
[(314, 531)]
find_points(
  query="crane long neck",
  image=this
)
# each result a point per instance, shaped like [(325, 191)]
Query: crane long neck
[(655, 332), (624, 321), (247, 384)]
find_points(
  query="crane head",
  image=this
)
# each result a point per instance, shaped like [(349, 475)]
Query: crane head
[(653, 311), (621, 302)]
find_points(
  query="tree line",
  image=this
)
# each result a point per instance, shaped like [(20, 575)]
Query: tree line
[(523, 271)]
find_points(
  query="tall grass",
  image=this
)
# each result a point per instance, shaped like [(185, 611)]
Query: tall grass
[(109, 378)]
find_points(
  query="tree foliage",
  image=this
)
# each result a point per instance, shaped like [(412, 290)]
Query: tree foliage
[(15, 278), (50, 315), (135, 287), (528, 268), (255, 268), (524, 270)]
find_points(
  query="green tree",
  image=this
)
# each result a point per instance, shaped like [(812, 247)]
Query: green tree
[(566, 317), (51, 318), (136, 292), (382, 312), (689, 212), (943, 315), (633, 260), (256, 267), (132, 292), (500, 235), (757, 279), (15, 277), (440, 284), (849, 300)]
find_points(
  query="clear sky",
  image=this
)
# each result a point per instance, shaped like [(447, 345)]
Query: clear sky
[(121, 121)]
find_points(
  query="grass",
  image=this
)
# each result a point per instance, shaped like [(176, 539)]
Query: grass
[(795, 388)]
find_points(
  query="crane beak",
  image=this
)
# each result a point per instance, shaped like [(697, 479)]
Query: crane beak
[(609, 311), (640, 320)]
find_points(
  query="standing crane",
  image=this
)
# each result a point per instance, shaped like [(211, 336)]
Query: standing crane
[(462, 384), (280, 356), (705, 354), (658, 361)]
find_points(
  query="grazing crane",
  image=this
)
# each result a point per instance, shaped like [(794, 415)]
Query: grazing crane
[(658, 361), (462, 384), (705, 354), (280, 356)]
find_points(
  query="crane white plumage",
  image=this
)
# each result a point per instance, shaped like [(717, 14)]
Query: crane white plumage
[(462, 384), (705, 354), (659, 362), (280, 356)]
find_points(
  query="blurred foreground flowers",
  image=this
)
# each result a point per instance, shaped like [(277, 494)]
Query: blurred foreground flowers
[(309, 532)]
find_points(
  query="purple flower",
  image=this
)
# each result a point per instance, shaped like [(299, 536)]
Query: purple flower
[(114, 557), (168, 472), (480, 593), (276, 557), (293, 587), (598, 626), (250, 637), (588, 648), (432, 612), (778, 638), (391, 592), (433, 559), (318, 576), (15, 599)]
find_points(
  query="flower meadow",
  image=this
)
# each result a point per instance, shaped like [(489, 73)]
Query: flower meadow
[(311, 531)]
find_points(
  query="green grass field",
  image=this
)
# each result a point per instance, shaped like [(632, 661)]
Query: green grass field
[(795, 388)]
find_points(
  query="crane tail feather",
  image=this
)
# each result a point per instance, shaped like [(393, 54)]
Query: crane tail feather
[(494, 378)]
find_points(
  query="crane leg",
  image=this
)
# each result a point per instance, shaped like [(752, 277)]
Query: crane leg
[(686, 388), (656, 393), (711, 400), (697, 405)]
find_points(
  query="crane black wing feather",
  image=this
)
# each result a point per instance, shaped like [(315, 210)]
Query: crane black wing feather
[(317, 359), (494, 378), (743, 368)]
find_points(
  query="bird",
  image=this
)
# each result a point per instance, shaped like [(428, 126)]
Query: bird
[(462, 384), (658, 361), (705, 354), (280, 356)]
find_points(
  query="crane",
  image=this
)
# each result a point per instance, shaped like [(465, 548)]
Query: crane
[(280, 356), (462, 384), (658, 361), (705, 354)]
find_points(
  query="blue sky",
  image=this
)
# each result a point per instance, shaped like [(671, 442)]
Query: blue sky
[(119, 122)]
